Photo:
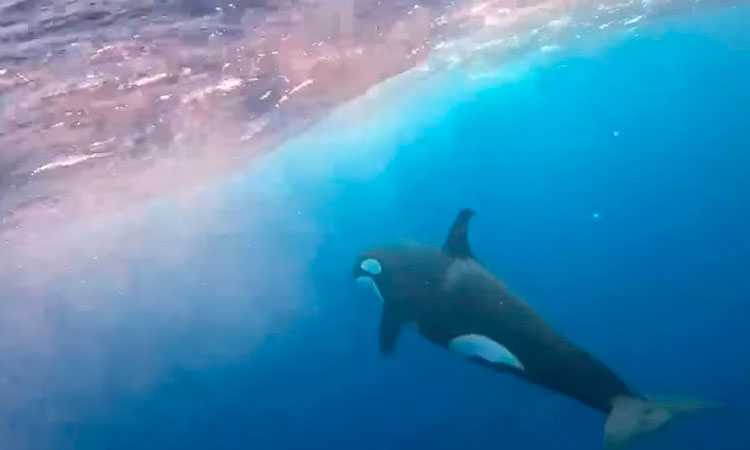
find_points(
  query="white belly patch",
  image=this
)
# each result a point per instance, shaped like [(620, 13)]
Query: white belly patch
[(370, 284), (476, 345)]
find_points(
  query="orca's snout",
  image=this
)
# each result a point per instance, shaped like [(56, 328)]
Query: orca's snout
[(357, 270)]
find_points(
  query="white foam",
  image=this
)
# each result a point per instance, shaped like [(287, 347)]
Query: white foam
[(68, 161), (633, 20)]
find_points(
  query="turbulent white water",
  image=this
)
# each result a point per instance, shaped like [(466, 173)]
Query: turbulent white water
[(103, 103)]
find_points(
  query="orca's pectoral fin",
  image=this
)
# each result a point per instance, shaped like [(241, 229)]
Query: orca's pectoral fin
[(390, 325), (457, 243)]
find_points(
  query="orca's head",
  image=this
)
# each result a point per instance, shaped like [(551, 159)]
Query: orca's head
[(401, 275)]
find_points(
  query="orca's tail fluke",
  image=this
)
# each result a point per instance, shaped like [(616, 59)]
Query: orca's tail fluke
[(634, 417)]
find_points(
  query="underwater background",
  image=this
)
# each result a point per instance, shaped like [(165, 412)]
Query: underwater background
[(610, 181)]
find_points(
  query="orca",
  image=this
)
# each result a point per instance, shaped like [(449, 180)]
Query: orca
[(457, 304)]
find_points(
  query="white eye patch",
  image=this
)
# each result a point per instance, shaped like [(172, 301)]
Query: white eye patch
[(371, 266)]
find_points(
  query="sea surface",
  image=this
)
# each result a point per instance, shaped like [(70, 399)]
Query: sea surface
[(198, 296)]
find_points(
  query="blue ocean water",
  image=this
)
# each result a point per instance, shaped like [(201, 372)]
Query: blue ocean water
[(611, 189)]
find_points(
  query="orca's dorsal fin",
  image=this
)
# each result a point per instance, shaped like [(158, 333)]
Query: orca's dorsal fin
[(457, 243)]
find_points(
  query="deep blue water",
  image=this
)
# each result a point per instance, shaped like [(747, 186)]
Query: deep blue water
[(611, 189)]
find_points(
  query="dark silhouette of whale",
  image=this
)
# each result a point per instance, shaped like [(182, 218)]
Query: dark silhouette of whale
[(457, 304)]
